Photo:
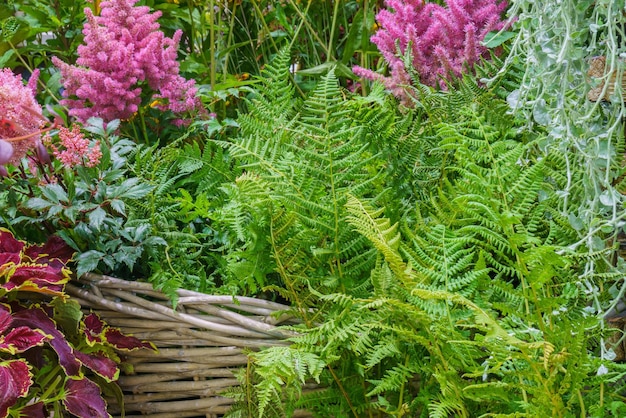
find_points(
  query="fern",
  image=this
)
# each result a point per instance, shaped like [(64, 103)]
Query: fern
[(446, 289), (310, 156)]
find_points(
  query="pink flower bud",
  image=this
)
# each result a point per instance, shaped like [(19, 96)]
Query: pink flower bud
[(42, 153), (6, 152)]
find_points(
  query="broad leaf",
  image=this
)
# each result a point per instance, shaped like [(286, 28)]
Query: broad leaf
[(36, 317), (42, 278), (21, 339), (100, 364), (97, 331), (84, 400), (54, 249), (10, 248), (36, 410), (5, 318), (120, 341), (15, 380)]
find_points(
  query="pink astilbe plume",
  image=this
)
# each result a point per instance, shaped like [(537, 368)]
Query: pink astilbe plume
[(21, 120), (76, 149), (443, 41), (123, 49)]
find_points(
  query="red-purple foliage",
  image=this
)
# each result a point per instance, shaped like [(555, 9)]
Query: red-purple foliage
[(27, 322)]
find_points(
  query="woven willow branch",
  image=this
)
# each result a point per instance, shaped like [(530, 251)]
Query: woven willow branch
[(201, 344)]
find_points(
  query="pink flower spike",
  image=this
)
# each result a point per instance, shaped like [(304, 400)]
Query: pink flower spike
[(123, 51), (78, 150), (20, 115), (444, 42)]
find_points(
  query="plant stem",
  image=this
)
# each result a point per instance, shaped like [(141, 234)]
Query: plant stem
[(230, 39), (333, 25), (192, 31), (308, 25), (212, 41), (266, 28), (30, 69), (144, 128), (364, 43), (343, 391), (583, 411)]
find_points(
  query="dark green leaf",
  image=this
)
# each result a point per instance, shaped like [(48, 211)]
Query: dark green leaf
[(96, 217), (88, 261), (494, 39)]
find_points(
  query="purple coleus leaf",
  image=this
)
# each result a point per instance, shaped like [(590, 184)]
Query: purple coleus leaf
[(21, 339), (35, 317), (36, 410), (54, 249), (120, 341), (41, 278), (10, 248), (84, 400), (94, 327), (15, 380), (18, 339), (5, 318), (97, 331), (100, 364)]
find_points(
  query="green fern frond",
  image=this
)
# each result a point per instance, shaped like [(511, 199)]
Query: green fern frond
[(383, 235)]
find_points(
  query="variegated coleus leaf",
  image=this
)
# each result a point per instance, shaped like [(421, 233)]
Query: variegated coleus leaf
[(94, 328), (15, 381), (100, 364), (116, 338), (83, 399), (37, 318), (99, 332), (40, 278), (10, 249), (21, 339), (18, 339), (54, 249)]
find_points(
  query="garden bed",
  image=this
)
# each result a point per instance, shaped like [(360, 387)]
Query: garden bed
[(200, 345)]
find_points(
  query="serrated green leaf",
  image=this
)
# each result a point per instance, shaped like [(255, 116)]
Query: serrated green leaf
[(118, 206), (37, 203), (55, 193), (97, 217), (88, 261)]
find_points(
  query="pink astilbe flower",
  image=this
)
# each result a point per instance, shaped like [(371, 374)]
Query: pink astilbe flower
[(124, 49), (77, 149), (442, 41), (21, 120)]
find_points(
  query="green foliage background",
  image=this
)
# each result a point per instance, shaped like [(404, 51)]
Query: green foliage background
[(459, 258), (460, 300)]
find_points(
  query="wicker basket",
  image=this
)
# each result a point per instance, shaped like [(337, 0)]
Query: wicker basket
[(597, 69), (200, 344)]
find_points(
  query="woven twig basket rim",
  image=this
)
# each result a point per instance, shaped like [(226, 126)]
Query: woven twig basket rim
[(200, 344)]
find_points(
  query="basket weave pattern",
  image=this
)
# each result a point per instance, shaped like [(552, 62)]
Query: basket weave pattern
[(200, 344)]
